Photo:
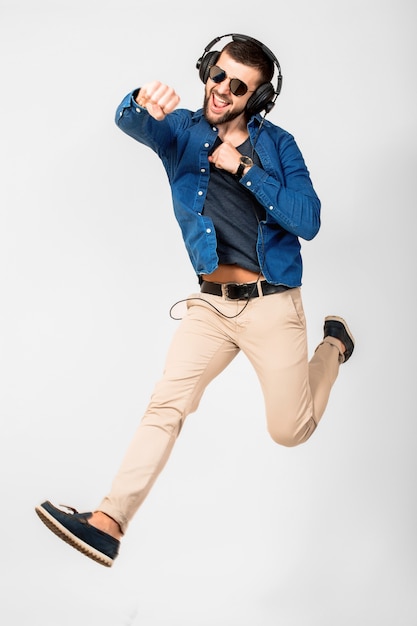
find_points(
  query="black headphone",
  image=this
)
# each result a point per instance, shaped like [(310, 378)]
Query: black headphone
[(265, 96)]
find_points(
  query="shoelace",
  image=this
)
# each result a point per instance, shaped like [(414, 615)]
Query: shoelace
[(70, 508)]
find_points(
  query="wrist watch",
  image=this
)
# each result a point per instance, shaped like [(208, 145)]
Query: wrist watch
[(245, 161)]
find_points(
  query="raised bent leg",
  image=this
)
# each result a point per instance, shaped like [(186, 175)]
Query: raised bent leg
[(295, 391)]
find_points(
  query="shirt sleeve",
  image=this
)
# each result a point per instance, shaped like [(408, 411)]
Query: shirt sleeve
[(287, 194), (136, 122)]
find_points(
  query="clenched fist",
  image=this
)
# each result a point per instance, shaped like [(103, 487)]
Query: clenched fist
[(158, 99)]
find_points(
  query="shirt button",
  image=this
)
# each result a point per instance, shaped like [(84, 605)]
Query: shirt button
[(203, 169), (271, 208), (206, 145), (248, 184), (200, 193), (137, 110), (208, 230)]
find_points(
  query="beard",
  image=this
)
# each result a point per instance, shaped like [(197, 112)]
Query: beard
[(227, 117)]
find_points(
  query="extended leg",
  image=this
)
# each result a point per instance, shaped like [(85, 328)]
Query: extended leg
[(200, 350)]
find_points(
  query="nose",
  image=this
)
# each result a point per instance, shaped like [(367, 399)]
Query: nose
[(224, 86)]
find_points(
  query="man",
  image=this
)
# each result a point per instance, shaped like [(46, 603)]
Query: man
[(243, 197)]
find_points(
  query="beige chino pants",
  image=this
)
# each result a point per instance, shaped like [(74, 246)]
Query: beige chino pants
[(271, 332)]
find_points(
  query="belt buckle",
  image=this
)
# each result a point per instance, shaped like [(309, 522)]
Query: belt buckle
[(235, 291)]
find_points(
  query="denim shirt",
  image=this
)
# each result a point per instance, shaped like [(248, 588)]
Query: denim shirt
[(183, 141)]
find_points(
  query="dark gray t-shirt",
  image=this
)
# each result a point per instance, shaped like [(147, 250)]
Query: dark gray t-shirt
[(235, 214)]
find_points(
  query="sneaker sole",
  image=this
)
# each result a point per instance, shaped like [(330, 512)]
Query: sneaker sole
[(67, 536)]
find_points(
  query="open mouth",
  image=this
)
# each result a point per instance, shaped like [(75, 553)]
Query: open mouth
[(218, 103)]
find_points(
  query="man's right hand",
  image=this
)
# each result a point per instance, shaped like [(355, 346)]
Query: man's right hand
[(158, 99)]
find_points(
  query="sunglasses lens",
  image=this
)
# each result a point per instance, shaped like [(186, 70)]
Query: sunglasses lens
[(216, 74), (237, 87)]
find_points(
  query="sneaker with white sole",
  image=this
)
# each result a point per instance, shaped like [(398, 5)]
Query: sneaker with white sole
[(76, 531), (335, 326)]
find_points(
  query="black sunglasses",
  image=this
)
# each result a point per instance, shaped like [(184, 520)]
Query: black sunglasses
[(236, 86)]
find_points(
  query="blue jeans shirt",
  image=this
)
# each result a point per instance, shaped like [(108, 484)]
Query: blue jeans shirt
[(183, 141)]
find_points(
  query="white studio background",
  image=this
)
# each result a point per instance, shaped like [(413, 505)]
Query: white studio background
[(237, 530)]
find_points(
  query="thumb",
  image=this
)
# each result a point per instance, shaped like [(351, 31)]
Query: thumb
[(155, 111)]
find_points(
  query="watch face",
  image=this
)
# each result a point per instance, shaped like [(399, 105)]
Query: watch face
[(246, 160)]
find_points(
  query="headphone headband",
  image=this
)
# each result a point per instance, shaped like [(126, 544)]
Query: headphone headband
[(268, 90)]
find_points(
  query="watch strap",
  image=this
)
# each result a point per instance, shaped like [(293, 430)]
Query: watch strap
[(240, 170)]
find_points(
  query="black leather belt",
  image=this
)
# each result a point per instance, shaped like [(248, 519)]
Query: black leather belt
[(239, 291)]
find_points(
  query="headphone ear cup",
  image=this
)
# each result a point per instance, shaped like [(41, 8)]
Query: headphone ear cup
[(205, 63), (263, 98)]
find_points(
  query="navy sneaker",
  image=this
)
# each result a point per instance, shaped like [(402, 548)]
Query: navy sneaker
[(336, 327), (74, 529)]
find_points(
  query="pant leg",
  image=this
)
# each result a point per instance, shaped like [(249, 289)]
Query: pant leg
[(201, 348), (296, 392)]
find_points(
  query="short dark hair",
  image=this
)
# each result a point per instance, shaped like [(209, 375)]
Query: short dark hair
[(249, 53)]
